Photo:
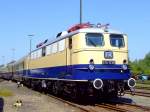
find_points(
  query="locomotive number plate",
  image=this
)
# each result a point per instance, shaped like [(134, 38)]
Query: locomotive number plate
[(108, 62)]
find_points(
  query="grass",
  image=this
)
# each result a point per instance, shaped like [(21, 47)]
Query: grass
[(143, 84), (5, 92)]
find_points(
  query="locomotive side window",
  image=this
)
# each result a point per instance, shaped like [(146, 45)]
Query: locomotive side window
[(61, 45), (43, 51), (117, 40), (39, 53), (94, 39), (54, 48), (48, 49)]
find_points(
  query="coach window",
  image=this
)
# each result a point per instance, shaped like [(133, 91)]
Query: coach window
[(117, 40), (32, 55), (43, 51), (36, 54)]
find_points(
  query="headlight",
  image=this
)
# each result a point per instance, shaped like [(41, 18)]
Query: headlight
[(91, 64), (91, 67), (124, 67)]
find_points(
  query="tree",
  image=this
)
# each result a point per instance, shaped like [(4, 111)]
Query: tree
[(141, 66)]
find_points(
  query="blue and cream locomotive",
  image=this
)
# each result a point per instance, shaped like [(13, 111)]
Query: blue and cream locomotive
[(85, 60)]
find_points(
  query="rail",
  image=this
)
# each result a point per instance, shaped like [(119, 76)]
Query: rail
[(140, 93)]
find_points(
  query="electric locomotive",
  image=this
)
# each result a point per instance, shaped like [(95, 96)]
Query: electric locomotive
[(85, 60)]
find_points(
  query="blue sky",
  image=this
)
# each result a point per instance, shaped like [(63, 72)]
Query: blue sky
[(45, 18)]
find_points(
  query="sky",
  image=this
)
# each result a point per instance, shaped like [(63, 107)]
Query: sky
[(45, 18)]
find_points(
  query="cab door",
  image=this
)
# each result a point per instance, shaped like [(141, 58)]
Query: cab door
[(69, 55)]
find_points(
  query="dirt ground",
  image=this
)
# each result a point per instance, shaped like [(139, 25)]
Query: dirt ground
[(140, 100), (32, 101)]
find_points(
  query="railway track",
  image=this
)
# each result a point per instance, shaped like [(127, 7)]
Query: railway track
[(111, 106), (107, 107), (124, 107), (93, 108), (144, 108), (134, 107), (82, 108), (140, 93)]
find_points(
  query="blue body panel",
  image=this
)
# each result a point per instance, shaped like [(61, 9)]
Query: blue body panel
[(80, 72)]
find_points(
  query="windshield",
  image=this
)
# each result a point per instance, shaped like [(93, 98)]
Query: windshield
[(94, 39), (117, 40)]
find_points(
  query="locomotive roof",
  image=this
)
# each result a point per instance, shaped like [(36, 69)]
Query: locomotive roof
[(84, 30)]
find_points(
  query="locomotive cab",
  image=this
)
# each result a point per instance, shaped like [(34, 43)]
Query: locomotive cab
[(102, 48), (101, 57)]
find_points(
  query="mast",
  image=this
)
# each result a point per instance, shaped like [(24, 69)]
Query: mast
[(80, 11)]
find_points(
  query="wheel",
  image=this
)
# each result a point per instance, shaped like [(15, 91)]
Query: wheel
[(74, 94), (32, 85), (55, 88)]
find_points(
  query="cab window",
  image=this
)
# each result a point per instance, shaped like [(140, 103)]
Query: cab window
[(117, 40), (94, 40)]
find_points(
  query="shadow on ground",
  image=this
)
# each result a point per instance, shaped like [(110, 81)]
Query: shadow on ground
[(88, 100), (1, 104), (92, 100)]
